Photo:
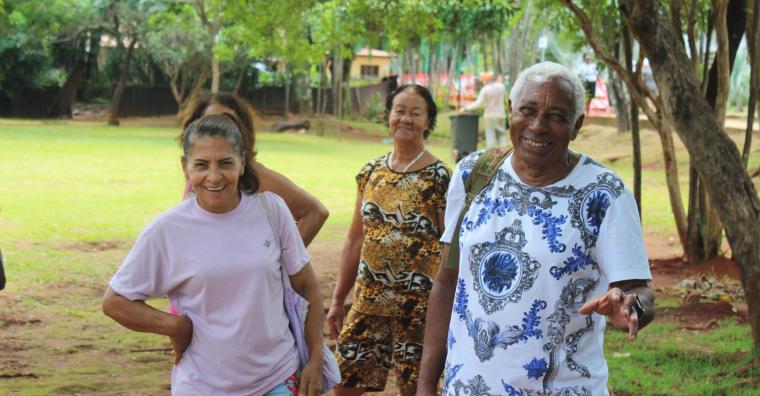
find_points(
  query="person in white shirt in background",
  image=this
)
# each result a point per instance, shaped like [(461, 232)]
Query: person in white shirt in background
[(491, 97), (588, 74)]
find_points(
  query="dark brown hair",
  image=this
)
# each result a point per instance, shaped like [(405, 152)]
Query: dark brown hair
[(242, 110)]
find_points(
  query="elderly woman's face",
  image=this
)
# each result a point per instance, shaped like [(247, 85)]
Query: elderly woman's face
[(543, 123), (213, 168), (408, 118)]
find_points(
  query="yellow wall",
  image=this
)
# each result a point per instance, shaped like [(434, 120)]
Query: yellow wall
[(383, 64)]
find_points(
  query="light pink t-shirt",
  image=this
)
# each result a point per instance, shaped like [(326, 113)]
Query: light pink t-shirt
[(223, 271)]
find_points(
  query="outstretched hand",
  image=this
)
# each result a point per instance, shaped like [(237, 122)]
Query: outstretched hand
[(618, 307)]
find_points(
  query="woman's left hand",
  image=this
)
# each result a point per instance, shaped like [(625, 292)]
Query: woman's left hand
[(311, 378)]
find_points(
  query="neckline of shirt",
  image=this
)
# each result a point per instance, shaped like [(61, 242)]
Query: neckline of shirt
[(511, 170), (222, 217), (386, 157)]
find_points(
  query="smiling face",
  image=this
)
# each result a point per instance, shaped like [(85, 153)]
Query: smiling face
[(408, 117), (213, 167), (542, 124)]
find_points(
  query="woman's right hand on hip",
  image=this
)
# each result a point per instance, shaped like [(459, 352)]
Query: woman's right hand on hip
[(183, 335), (335, 319)]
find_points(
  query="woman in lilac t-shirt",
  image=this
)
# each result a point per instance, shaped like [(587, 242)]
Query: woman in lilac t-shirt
[(218, 259)]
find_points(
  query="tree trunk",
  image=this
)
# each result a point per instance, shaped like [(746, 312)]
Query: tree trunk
[(728, 36), (113, 117), (720, 9), (320, 87), (453, 59), (716, 157), (517, 44), (691, 35), (693, 249), (634, 114), (215, 72), (346, 78), (61, 106), (674, 186), (753, 49), (484, 51), (411, 64), (431, 70), (620, 103), (240, 78), (288, 85)]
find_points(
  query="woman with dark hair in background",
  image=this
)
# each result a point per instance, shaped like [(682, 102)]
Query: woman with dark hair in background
[(391, 253), (218, 257), (309, 213)]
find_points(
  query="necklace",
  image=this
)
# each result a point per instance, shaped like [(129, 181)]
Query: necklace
[(390, 160)]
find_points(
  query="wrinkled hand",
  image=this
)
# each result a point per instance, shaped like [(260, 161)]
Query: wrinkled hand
[(618, 307), (311, 378), (182, 337), (335, 319)]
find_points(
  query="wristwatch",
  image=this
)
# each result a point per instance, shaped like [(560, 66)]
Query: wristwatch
[(637, 305)]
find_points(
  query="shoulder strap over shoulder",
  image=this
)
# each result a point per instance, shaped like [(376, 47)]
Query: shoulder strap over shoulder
[(265, 205), (481, 175)]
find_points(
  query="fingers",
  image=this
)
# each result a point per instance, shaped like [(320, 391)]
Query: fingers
[(334, 323), (589, 306), (603, 305), (309, 386), (633, 325)]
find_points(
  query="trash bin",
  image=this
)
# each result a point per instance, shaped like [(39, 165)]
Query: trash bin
[(464, 133)]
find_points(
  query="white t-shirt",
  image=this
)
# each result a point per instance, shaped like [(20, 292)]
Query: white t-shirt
[(587, 72), (492, 98), (223, 272), (529, 258)]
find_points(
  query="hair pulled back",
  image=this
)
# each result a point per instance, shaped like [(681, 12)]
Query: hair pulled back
[(228, 127)]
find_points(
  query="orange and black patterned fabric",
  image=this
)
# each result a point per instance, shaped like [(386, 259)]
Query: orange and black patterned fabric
[(401, 253), (368, 344)]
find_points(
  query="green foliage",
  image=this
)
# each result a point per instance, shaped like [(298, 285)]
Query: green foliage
[(176, 37), (469, 19), (28, 31), (375, 109)]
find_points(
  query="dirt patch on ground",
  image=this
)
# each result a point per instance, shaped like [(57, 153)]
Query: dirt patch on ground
[(702, 315), (95, 246), (669, 272)]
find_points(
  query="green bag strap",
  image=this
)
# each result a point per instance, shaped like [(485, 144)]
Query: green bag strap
[(482, 173)]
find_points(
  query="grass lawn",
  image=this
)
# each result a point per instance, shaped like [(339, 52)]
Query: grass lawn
[(75, 195)]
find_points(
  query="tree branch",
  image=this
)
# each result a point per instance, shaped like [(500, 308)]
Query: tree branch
[(634, 87)]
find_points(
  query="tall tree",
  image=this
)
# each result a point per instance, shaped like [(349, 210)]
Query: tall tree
[(717, 158), (649, 102), (211, 15), (128, 24), (177, 41)]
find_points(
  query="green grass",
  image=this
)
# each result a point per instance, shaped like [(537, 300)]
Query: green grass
[(665, 360), (74, 196)]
